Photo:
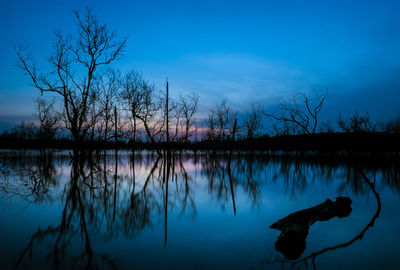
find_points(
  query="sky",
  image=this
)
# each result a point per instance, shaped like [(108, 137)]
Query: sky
[(242, 51)]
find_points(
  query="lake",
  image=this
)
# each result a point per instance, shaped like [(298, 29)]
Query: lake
[(203, 211)]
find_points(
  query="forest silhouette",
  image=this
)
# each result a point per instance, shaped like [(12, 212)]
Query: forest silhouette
[(88, 104)]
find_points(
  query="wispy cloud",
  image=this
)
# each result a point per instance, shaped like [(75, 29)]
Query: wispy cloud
[(241, 79)]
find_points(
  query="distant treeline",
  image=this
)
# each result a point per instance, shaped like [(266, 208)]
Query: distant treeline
[(371, 142), (92, 106)]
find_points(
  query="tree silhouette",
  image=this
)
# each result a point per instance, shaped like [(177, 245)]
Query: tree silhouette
[(75, 63), (300, 113)]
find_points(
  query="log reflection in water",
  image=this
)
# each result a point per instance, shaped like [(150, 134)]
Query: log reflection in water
[(303, 262), (294, 228)]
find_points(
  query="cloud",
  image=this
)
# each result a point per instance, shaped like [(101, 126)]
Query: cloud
[(241, 79)]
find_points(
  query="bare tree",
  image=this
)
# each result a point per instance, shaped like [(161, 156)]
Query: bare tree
[(176, 120), (166, 108), (222, 115), (211, 132), (393, 126), (47, 119), (94, 119), (252, 124), (356, 123), (131, 96), (147, 111), (108, 88), (25, 130), (300, 113), (223, 122), (284, 128), (326, 127), (75, 63), (183, 112), (189, 108), (140, 100)]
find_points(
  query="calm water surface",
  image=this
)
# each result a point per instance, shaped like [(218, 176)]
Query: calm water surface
[(193, 212)]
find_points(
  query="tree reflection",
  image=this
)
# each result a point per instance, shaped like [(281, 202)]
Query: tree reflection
[(227, 173), (108, 195), (29, 180), (99, 201), (78, 217)]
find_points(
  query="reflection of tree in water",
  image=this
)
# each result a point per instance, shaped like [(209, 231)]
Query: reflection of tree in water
[(98, 202), (304, 262), (353, 180), (108, 195), (294, 175), (30, 178), (299, 172), (251, 171), (4, 171), (184, 187), (225, 174), (136, 216), (78, 219), (218, 184), (392, 176)]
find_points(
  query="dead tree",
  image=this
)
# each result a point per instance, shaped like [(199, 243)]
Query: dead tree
[(393, 126), (148, 111), (183, 116), (167, 110), (140, 100), (189, 108), (252, 124), (222, 122), (211, 132), (356, 124), (131, 97), (176, 120), (48, 120), (300, 113), (75, 63), (108, 89)]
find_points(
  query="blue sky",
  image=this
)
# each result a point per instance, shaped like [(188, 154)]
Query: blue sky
[(242, 51)]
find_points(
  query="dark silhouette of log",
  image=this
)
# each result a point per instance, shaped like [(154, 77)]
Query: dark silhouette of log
[(294, 228)]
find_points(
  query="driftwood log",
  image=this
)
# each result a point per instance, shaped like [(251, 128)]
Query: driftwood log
[(294, 228)]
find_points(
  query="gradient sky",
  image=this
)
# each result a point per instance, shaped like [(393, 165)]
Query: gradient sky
[(242, 51)]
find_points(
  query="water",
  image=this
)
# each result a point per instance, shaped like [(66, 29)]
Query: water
[(192, 211)]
